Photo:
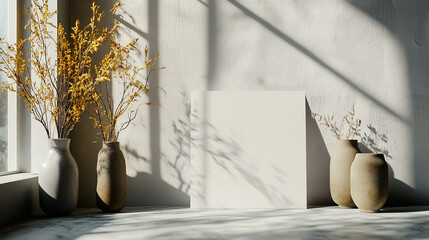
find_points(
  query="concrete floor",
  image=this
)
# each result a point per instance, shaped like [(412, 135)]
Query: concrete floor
[(257, 224)]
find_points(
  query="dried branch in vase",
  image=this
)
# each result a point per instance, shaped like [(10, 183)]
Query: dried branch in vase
[(106, 114), (353, 123)]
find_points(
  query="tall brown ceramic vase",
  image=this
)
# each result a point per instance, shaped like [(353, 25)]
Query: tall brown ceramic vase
[(339, 176), (369, 181), (111, 178)]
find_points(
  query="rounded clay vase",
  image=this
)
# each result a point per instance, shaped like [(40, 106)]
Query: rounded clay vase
[(339, 172), (369, 181), (58, 179), (111, 178)]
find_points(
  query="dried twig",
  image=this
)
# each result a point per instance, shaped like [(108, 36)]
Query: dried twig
[(353, 123), (108, 114), (350, 119)]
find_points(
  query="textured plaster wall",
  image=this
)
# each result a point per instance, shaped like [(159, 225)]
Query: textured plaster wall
[(373, 54)]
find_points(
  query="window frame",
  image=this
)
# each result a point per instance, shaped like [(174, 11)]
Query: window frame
[(13, 106), (12, 111), (26, 141)]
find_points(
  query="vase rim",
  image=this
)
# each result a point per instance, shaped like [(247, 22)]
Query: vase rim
[(114, 144), (59, 142), (370, 153)]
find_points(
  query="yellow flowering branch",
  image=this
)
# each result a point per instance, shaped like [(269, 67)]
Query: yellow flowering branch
[(107, 114), (66, 84)]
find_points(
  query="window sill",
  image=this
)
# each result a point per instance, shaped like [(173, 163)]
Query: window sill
[(14, 177), (19, 197)]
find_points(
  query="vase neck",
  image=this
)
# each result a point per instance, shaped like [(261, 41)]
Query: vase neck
[(111, 144), (348, 142), (377, 155), (60, 143)]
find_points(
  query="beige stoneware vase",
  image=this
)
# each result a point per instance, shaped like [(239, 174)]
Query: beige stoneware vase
[(369, 181), (111, 178), (339, 173)]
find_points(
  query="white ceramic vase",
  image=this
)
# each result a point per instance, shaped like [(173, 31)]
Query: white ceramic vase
[(58, 179), (339, 173), (369, 181)]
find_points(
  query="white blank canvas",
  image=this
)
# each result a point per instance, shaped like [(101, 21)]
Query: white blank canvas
[(248, 150)]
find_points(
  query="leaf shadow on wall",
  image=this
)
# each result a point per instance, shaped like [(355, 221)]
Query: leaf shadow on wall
[(144, 188), (314, 57), (150, 188), (399, 21), (220, 151), (407, 22), (371, 142), (181, 143), (147, 189)]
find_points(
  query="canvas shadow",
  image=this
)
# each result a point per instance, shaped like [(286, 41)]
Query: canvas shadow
[(318, 193)]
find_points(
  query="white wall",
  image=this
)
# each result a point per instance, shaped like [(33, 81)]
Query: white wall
[(370, 53)]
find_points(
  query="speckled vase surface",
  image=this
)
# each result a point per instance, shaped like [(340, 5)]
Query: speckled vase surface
[(111, 178), (339, 172), (369, 181), (58, 179)]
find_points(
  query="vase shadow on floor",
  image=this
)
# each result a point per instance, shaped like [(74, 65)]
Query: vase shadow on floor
[(405, 209), (401, 193), (147, 190)]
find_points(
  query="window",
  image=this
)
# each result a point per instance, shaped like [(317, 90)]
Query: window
[(8, 100), (4, 95)]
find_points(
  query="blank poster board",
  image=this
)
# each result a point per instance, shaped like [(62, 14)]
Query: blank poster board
[(248, 149)]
